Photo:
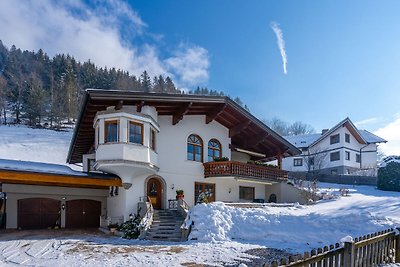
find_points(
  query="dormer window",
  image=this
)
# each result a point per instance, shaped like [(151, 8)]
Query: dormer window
[(111, 130), (135, 133)]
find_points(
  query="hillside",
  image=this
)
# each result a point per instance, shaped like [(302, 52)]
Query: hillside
[(38, 145)]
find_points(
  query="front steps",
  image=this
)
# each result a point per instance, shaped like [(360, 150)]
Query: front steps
[(166, 226)]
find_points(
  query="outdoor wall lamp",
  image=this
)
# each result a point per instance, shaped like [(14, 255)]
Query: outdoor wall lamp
[(172, 186), (230, 190), (63, 206), (126, 185)]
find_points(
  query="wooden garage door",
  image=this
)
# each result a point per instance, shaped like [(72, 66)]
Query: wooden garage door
[(83, 213), (38, 213)]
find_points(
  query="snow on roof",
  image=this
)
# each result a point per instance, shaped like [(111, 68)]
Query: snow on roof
[(305, 140), (302, 140), (370, 137), (39, 167)]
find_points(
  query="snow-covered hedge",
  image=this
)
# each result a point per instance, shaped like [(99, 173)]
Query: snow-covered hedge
[(389, 177)]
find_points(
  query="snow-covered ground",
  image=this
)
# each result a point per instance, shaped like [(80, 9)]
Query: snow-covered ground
[(300, 228), (227, 236), (38, 145)]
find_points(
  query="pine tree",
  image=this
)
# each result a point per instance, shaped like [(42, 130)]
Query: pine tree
[(169, 85), (145, 82), (34, 100)]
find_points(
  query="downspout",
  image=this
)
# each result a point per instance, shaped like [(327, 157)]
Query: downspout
[(361, 156)]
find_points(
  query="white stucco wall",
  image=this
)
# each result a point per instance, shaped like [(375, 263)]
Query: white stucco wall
[(368, 153), (15, 192)]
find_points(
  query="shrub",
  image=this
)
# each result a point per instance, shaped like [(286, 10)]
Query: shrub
[(180, 192), (130, 228), (221, 159), (389, 177)]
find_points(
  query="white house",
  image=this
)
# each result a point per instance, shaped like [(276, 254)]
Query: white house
[(343, 149), (151, 145)]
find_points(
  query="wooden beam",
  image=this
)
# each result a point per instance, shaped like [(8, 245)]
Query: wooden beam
[(139, 106), (119, 105), (57, 180), (235, 130), (215, 113), (178, 115), (255, 141)]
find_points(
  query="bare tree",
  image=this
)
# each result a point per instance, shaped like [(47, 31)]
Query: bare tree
[(314, 160), (278, 125), (284, 128), (299, 127)]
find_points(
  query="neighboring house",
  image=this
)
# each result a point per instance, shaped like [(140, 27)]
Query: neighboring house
[(343, 149), (155, 144)]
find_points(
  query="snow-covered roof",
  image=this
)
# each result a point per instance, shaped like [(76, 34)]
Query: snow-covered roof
[(302, 140), (39, 167), (370, 137), (306, 140)]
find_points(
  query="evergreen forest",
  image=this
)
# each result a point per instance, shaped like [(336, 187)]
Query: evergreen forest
[(44, 91)]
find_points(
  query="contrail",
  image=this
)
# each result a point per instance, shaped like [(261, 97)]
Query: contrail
[(281, 44)]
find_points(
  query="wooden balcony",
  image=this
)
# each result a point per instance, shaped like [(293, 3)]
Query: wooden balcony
[(244, 170)]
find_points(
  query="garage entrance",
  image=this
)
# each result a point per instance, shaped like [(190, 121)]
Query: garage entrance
[(82, 213), (38, 213)]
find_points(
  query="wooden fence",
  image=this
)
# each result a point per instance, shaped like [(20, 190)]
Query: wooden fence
[(370, 250)]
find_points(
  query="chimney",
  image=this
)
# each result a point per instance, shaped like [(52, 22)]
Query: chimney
[(324, 131)]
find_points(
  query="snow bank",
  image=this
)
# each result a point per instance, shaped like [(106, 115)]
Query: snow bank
[(285, 228)]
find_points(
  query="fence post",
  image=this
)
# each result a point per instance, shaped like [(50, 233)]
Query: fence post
[(397, 246), (349, 251)]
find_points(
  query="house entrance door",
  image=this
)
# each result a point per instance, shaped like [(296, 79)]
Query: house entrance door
[(154, 192)]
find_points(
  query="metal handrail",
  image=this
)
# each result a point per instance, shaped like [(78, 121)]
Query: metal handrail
[(147, 219)]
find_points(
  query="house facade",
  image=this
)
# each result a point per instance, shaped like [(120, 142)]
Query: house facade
[(138, 147), (159, 143), (342, 150)]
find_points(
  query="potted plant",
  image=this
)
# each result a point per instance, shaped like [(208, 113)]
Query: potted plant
[(113, 227), (220, 159), (180, 194)]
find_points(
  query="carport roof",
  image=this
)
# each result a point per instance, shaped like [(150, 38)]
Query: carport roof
[(37, 173)]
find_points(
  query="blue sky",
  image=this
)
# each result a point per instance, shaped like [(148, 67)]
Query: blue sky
[(343, 57)]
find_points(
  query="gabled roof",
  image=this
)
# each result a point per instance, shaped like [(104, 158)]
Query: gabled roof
[(344, 123), (245, 130), (302, 140), (371, 138), (362, 136)]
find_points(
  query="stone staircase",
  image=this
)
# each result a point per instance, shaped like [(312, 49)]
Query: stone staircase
[(166, 226)]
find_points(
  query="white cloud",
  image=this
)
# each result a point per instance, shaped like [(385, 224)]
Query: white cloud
[(191, 63), (365, 122), (95, 33), (390, 132), (281, 44)]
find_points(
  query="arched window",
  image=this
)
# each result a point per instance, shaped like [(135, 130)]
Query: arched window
[(214, 149), (194, 148)]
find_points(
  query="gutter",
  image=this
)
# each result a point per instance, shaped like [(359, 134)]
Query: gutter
[(78, 123)]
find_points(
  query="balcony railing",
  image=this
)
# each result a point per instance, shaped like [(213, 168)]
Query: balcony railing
[(244, 170)]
